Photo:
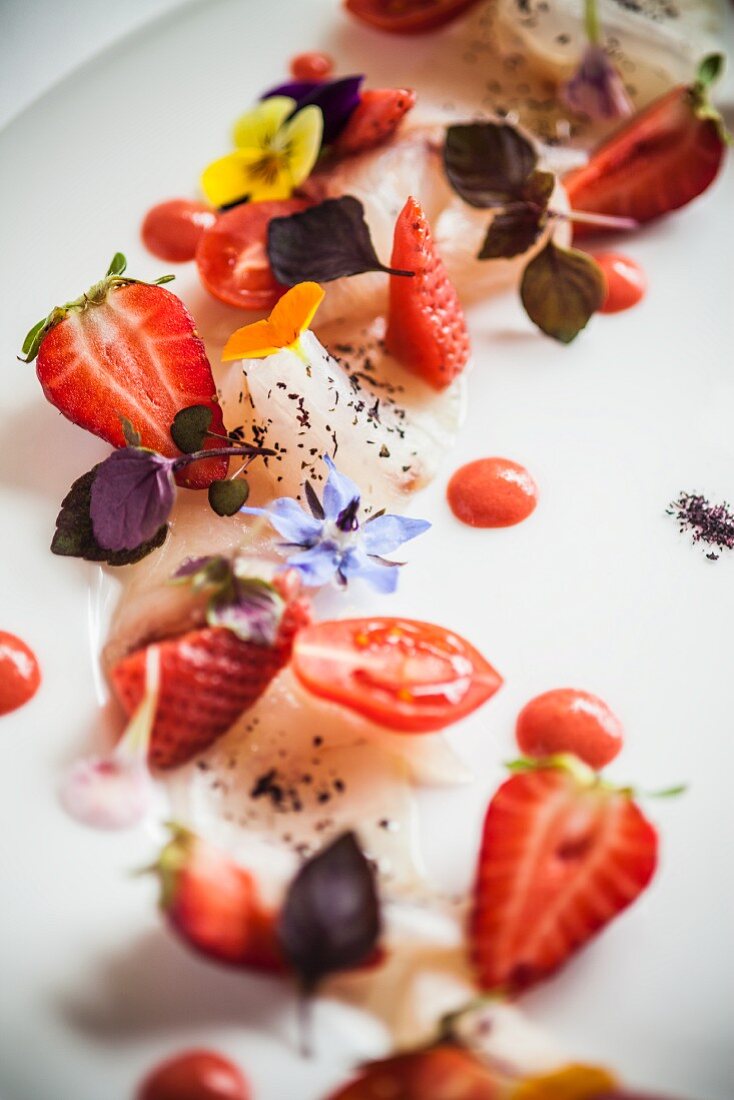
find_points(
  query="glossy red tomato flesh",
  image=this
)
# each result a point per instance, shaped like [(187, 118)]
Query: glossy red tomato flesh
[(405, 675), (171, 230), (407, 16), (195, 1075), (232, 255)]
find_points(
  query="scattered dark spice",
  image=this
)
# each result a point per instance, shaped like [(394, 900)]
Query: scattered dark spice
[(710, 524)]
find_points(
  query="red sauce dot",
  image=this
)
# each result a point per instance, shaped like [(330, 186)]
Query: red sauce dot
[(312, 66), (171, 230), (566, 720), (626, 282), (492, 492), (195, 1075), (19, 673)]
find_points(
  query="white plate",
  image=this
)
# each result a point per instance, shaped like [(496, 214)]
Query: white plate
[(596, 590)]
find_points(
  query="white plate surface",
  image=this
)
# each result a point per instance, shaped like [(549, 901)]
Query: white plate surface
[(596, 590)]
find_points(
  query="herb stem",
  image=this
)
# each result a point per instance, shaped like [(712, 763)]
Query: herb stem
[(609, 221), (591, 22), (246, 449)]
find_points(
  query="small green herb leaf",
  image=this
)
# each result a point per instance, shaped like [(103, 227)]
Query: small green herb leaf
[(561, 288), (330, 919), (130, 432), (488, 163), (117, 264), (512, 231), (227, 497), (74, 536), (190, 427), (325, 242), (710, 69)]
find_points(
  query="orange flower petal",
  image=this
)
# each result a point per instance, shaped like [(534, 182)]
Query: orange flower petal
[(293, 313)]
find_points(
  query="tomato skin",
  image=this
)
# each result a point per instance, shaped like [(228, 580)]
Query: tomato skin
[(171, 230), (232, 255), (195, 1075), (407, 16), (405, 675), (312, 65)]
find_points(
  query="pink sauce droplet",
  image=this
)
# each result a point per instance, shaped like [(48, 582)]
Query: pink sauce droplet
[(492, 492), (195, 1075), (19, 673), (312, 65), (567, 720), (171, 229), (626, 281)]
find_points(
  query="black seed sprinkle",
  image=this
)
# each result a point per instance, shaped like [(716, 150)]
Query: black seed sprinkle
[(710, 524)]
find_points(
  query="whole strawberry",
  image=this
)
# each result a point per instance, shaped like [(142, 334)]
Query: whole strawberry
[(128, 350), (562, 854), (214, 904)]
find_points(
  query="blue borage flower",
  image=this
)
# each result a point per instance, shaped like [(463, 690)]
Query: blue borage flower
[(330, 543)]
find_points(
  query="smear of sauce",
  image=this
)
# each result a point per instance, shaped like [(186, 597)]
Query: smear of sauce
[(20, 675), (626, 281), (567, 720), (492, 492), (171, 230)]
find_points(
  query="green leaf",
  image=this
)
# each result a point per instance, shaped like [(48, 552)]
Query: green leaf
[(325, 242), (512, 231), (190, 427), (117, 264), (74, 536), (227, 497), (130, 432), (164, 279), (710, 70), (33, 340), (561, 288), (488, 163)]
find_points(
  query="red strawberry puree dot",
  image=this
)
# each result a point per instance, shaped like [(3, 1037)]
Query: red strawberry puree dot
[(19, 673), (492, 492), (171, 229), (195, 1075), (312, 65), (626, 282), (566, 720)]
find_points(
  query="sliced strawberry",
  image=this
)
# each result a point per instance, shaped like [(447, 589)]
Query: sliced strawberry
[(561, 856), (375, 119), (657, 162), (426, 327), (208, 677), (129, 349), (214, 904), (443, 1072)]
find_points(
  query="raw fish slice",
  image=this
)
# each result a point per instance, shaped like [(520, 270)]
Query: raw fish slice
[(382, 179), (383, 427)]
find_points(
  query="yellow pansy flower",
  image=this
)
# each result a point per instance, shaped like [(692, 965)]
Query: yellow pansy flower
[(290, 317), (275, 153)]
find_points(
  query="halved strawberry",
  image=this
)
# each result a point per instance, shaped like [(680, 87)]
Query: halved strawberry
[(426, 327), (208, 677), (128, 349), (561, 855), (658, 161), (375, 119), (214, 904)]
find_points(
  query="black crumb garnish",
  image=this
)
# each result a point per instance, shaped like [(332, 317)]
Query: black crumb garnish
[(707, 523)]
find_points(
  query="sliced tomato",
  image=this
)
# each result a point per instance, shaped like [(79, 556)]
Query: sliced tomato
[(406, 675), (232, 255), (407, 16)]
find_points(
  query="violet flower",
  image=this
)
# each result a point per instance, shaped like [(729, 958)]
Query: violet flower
[(336, 98), (331, 543), (116, 791), (597, 89)]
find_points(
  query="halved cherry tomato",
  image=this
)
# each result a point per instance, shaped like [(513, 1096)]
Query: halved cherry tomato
[(407, 16), (405, 675), (232, 255)]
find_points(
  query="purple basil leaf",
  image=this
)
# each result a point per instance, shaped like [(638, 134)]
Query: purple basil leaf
[(132, 496), (330, 919), (336, 98), (74, 537), (251, 608)]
